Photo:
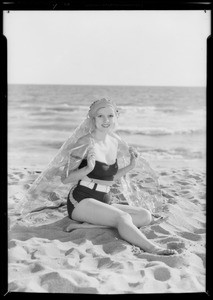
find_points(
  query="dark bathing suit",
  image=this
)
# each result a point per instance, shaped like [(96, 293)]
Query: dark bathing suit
[(101, 171)]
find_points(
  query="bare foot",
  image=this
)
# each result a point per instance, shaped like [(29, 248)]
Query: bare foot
[(162, 251), (71, 227), (84, 225)]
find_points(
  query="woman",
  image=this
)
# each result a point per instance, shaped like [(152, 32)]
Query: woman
[(90, 200)]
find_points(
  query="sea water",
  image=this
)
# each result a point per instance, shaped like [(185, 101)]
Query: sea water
[(163, 123)]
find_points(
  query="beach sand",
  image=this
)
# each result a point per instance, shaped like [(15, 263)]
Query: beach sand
[(44, 258)]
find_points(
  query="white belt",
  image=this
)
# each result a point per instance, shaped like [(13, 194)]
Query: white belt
[(98, 187)]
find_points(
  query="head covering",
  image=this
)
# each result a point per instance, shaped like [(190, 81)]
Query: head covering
[(96, 105), (48, 191)]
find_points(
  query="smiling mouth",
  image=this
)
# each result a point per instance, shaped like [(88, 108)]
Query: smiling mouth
[(105, 125)]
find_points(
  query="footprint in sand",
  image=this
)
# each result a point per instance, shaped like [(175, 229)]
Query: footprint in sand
[(203, 257), (178, 246), (195, 201), (159, 229), (202, 196), (185, 192), (200, 231), (11, 244), (149, 233), (190, 236), (167, 195), (108, 263), (36, 267), (183, 182), (12, 286), (173, 261), (114, 247), (164, 173), (162, 274), (196, 177), (54, 283)]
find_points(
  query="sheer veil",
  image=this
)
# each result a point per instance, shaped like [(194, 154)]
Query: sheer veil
[(139, 187)]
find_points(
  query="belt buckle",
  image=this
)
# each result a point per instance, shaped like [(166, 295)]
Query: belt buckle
[(86, 184), (91, 185)]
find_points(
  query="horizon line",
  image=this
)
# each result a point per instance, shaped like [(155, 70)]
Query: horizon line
[(118, 85)]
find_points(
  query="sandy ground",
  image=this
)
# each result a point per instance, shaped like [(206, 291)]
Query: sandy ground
[(43, 257)]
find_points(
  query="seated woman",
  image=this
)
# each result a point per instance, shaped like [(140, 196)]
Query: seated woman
[(90, 199)]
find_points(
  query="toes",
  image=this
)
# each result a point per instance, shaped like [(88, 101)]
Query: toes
[(170, 252), (69, 228), (162, 251), (167, 252)]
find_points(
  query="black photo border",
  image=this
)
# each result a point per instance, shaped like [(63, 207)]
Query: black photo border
[(98, 5)]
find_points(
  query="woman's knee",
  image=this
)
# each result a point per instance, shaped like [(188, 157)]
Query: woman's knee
[(123, 217), (146, 216)]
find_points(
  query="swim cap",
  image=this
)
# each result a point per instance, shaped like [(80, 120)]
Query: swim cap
[(101, 103)]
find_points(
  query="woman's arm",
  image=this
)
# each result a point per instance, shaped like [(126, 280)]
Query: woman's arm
[(75, 175), (123, 171)]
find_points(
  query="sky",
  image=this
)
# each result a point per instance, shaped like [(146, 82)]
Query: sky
[(146, 48)]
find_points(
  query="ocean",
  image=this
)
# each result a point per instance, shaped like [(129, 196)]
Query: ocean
[(166, 124)]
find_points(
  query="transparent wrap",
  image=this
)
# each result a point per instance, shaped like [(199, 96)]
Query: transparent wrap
[(139, 187), (48, 190)]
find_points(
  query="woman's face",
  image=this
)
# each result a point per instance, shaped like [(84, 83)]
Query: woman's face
[(105, 119)]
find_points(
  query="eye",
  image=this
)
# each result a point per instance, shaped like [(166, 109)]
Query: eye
[(111, 116)]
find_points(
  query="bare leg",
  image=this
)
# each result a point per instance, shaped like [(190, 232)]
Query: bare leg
[(140, 216), (95, 212)]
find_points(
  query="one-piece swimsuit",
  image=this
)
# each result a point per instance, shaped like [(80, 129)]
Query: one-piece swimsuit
[(101, 171)]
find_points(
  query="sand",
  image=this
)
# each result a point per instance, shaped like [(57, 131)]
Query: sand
[(44, 258)]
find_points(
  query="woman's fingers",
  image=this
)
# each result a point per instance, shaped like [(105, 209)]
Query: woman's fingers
[(133, 152), (91, 154)]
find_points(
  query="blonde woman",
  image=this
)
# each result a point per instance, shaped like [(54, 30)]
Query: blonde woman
[(89, 200)]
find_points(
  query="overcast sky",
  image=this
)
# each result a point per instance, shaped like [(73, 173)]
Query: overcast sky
[(107, 47)]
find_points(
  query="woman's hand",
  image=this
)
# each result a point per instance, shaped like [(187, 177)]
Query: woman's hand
[(133, 156), (91, 159)]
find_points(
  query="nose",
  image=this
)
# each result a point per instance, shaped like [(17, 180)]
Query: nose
[(106, 119)]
